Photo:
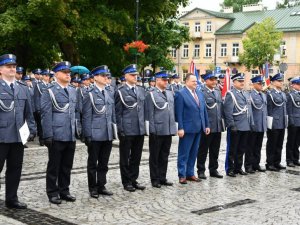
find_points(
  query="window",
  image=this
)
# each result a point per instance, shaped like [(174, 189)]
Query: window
[(173, 52), (235, 49), (197, 27), (208, 26), (185, 51), (197, 51), (186, 24), (223, 50), (283, 48), (208, 50), (254, 73)]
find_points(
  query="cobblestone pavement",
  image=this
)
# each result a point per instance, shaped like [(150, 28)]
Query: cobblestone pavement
[(261, 198)]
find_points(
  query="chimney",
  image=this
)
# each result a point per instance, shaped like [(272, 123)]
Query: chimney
[(228, 9), (253, 7)]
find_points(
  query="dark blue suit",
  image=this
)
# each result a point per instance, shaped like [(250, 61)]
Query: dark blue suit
[(193, 119)]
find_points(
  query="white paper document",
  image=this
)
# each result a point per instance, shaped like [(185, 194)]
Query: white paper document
[(147, 128), (269, 122), (24, 133)]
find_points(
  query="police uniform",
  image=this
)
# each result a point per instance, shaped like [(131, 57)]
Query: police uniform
[(212, 141), (293, 110), (176, 86), (30, 88), (39, 88), (131, 127), (98, 117), (58, 107), (276, 104), (162, 126), (255, 139), (15, 109), (238, 119)]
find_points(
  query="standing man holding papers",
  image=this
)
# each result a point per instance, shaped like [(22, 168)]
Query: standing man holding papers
[(15, 109), (277, 122)]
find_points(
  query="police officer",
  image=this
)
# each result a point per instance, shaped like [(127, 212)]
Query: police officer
[(139, 81), (58, 105), (123, 81), (130, 116), (109, 87), (151, 84), (37, 76), (97, 121), (259, 109), (15, 109), (220, 82), (19, 73), (293, 110), (277, 116), (176, 85), (238, 119), (212, 141), (39, 88), (162, 126)]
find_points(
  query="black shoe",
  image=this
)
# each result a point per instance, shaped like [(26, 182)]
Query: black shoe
[(216, 174), (138, 186), (241, 172), (201, 175), (104, 191), (250, 170), (297, 163), (68, 198), (231, 174), (259, 169), (55, 200), (94, 194), (290, 164), (25, 146), (156, 184), (166, 183), (272, 168), (15, 205), (42, 143), (280, 167), (129, 188)]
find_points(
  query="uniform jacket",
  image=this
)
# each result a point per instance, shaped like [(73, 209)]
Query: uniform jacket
[(233, 117), (190, 117), (214, 107), (293, 108), (39, 88), (60, 125), (98, 126), (130, 121), (12, 121), (277, 108), (161, 120), (259, 110)]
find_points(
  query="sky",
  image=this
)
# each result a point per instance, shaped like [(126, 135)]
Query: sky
[(215, 4)]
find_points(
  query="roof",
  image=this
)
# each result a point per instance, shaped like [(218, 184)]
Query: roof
[(240, 22), (212, 13)]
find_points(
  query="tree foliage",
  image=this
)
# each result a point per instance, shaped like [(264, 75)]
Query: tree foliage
[(237, 4), (261, 44), (89, 32)]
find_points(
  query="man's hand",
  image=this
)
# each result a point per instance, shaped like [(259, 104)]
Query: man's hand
[(88, 141), (31, 137), (180, 133), (207, 131), (48, 142)]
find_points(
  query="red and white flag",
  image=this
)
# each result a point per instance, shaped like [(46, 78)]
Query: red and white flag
[(226, 86)]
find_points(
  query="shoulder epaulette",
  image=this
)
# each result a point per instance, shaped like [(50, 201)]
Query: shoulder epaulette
[(20, 82), (50, 86)]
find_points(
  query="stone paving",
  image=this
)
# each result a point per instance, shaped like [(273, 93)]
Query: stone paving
[(261, 198)]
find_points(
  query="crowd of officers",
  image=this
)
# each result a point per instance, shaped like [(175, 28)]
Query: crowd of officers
[(59, 108)]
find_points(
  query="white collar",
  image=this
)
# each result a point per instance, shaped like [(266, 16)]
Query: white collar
[(9, 82), (130, 86), (99, 88)]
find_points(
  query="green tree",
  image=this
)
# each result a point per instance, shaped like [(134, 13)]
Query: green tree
[(237, 4), (287, 4), (261, 43)]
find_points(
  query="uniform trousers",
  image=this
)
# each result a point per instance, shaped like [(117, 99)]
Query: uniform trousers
[(292, 144), (253, 152), (13, 154), (274, 146), (58, 175)]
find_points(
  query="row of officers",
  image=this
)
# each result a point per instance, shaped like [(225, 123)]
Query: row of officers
[(129, 112)]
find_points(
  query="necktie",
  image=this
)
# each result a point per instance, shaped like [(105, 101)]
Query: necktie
[(103, 93), (133, 90), (196, 98), (66, 90), (164, 93), (214, 94), (12, 87)]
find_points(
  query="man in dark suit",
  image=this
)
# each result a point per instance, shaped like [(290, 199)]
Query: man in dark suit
[(58, 105), (162, 126), (211, 142), (130, 115), (15, 109), (191, 115)]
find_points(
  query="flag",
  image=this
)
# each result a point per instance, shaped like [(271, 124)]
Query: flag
[(193, 70), (226, 85), (266, 73)]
